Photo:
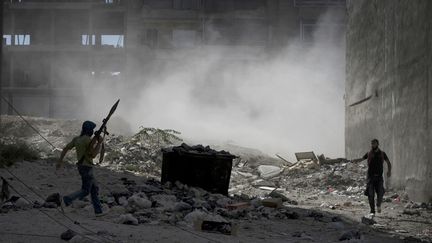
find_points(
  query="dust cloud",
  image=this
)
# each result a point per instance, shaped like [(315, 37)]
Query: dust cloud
[(279, 103)]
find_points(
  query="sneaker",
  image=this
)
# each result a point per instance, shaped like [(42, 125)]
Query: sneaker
[(378, 209), (371, 215)]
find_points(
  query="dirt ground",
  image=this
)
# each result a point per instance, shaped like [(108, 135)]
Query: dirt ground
[(42, 178)]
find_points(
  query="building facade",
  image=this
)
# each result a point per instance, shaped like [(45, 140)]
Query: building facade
[(53, 50)]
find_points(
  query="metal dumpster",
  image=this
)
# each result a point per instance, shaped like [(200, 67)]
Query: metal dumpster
[(198, 166)]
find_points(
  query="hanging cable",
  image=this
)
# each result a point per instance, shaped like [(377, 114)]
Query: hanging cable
[(28, 123), (49, 216), (60, 211)]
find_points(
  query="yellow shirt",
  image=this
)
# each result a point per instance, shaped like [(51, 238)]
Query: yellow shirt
[(81, 144)]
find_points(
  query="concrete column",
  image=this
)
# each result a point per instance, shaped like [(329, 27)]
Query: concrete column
[(51, 68)]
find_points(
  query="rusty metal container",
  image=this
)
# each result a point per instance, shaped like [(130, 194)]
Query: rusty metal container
[(198, 166)]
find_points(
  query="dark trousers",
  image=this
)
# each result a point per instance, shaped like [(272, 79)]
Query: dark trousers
[(88, 187), (375, 184)]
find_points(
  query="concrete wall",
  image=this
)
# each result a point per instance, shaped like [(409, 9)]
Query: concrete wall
[(389, 59)]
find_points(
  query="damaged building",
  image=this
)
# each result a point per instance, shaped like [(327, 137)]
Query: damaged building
[(55, 50), (220, 93), (388, 88)]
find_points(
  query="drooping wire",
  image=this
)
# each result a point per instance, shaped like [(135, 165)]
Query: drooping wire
[(49, 216), (28, 123), (62, 213), (26, 234)]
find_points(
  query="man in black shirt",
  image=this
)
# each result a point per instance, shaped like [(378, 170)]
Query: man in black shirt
[(375, 181)]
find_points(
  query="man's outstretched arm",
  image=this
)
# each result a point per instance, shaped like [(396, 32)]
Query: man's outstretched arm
[(357, 160), (360, 159)]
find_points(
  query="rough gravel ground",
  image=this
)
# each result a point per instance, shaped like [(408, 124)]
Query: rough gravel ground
[(40, 175)]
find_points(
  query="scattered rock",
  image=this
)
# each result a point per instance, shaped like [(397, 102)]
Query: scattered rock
[(336, 219), (139, 201), (269, 171), (223, 202), (182, 206), (368, 220), (412, 212), (276, 194), (22, 203), (347, 204), (67, 235), (49, 205), (195, 216), (350, 235), (302, 235), (315, 214), (272, 202), (167, 202), (219, 227), (54, 198)]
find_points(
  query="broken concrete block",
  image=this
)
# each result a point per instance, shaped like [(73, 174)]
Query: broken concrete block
[(223, 202), (411, 212), (276, 194), (123, 201), (117, 210), (22, 203), (269, 171), (128, 219), (196, 215), (138, 202), (182, 206), (199, 215), (167, 202), (272, 202)]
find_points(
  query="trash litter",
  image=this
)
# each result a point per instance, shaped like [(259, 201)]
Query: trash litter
[(306, 156)]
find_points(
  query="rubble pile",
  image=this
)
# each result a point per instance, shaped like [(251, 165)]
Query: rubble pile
[(340, 177), (140, 153), (58, 132), (197, 149), (171, 203)]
